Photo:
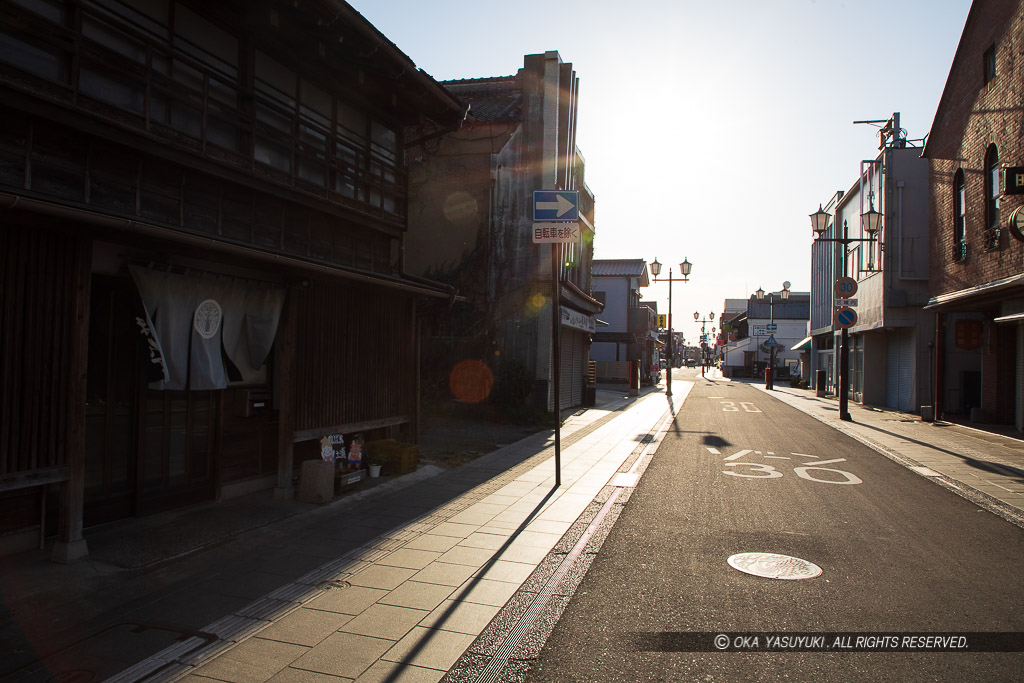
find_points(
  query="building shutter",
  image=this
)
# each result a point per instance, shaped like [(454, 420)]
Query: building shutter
[(899, 369), (567, 368)]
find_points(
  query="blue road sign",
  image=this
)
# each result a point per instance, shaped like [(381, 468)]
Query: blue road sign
[(846, 317), (556, 205), (771, 341)]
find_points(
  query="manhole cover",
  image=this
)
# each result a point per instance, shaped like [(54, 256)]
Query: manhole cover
[(774, 566), (336, 584)]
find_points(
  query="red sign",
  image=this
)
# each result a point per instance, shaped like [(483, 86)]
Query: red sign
[(845, 317), (968, 334), (845, 287)]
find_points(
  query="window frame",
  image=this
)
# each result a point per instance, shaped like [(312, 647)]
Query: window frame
[(991, 170), (959, 216), (988, 66)]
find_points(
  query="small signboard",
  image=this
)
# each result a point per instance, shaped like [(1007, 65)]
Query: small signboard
[(852, 303), (845, 287), (846, 317), (1013, 182), (549, 233), (662, 321), (968, 334)]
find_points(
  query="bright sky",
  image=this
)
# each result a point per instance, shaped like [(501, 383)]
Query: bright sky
[(711, 129)]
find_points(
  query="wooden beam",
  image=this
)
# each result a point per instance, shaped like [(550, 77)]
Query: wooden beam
[(367, 425)]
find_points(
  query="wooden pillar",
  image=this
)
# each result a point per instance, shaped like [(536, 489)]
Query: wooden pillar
[(287, 339), (70, 546)]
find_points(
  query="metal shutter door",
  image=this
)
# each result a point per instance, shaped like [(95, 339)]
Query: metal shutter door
[(578, 349), (565, 370), (899, 369)]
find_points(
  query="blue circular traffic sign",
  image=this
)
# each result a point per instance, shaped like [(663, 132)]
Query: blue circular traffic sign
[(846, 317)]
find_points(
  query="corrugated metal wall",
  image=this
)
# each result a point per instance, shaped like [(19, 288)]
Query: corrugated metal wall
[(37, 285), (355, 356)]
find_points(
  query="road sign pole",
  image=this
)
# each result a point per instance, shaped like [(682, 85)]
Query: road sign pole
[(668, 365), (844, 376), (556, 356), (844, 344)]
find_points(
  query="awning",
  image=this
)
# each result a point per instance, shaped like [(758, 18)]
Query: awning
[(1015, 318), (802, 345), (989, 288)]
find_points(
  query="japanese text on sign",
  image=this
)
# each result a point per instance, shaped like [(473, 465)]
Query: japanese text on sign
[(555, 232)]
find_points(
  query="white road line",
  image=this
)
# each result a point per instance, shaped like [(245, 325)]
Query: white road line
[(823, 462), (713, 451), (740, 454)]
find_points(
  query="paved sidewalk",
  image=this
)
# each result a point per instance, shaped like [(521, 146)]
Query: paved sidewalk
[(984, 467), (395, 583), (407, 604)]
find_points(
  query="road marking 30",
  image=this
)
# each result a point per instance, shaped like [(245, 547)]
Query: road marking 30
[(805, 470), (732, 407)]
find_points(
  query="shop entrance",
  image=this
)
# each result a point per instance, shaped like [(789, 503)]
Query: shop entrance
[(146, 450)]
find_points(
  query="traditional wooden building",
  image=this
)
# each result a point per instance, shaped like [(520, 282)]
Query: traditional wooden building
[(202, 215)]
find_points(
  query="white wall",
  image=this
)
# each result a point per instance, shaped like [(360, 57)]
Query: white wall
[(616, 302)]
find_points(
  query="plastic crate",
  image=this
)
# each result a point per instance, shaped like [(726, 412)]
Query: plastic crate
[(394, 456)]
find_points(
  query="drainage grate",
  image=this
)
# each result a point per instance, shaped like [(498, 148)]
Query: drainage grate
[(774, 566)]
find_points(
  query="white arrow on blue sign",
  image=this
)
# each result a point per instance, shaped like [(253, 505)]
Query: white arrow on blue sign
[(556, 205)]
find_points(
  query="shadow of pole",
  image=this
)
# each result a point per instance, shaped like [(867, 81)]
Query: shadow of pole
[(456, 598)]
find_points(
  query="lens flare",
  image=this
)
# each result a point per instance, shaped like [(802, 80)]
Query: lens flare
[(471, 381), (535, 303), (460, 208)]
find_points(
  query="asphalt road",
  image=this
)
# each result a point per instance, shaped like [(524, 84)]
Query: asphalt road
[(898, 554)]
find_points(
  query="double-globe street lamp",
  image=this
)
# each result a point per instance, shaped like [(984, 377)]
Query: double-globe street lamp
[(769, 375), (684, 268), (870, 223), (703, 343)]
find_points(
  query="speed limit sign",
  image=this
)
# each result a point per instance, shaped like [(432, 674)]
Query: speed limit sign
[(845, 287)]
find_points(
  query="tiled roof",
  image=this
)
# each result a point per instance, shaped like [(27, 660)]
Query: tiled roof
[(618, 267), (490, 99)]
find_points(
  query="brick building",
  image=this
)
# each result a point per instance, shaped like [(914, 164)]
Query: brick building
[(977, 252)]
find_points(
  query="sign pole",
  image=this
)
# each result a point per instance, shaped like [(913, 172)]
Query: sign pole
[(556, 356)]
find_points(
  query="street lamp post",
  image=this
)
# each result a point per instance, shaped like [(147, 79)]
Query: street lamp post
[(870, 222), (769, 375), (703, 351), (684, 268)]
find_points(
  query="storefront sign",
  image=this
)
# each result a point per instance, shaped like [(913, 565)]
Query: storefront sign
[(578, 321), (968, 334), (1014, 180)]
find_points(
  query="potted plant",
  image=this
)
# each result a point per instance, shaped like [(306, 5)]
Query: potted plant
[(374, 463)]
